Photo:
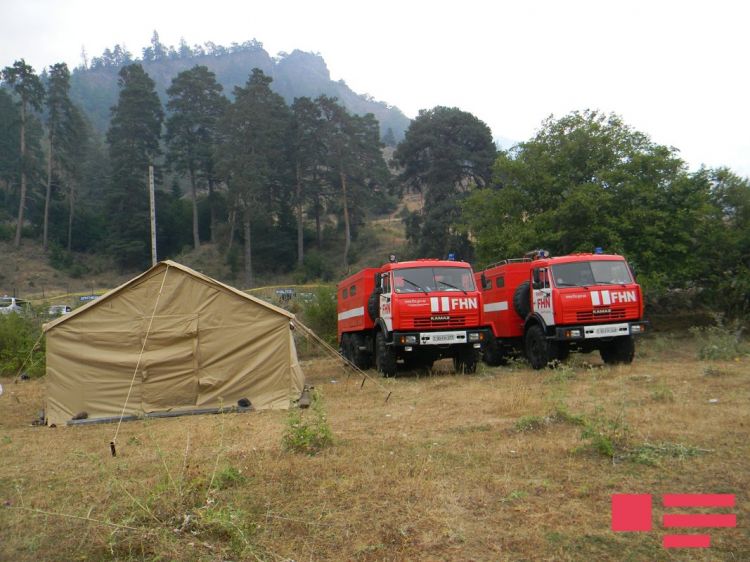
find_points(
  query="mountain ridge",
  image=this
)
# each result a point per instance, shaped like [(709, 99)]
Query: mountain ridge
[(294, 74)]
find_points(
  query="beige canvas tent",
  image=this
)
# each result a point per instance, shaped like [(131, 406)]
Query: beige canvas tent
[(197, 344)]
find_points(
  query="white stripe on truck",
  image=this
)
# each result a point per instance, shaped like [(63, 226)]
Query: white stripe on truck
[(353, 313), (496, 306)]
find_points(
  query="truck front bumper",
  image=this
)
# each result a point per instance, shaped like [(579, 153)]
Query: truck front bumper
[(476, 337), (599, 331)]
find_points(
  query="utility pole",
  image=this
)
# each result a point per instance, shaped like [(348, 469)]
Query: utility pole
[(152, 206)]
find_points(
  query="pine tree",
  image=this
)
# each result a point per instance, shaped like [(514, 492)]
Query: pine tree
[(252, 157), (196, 104), (306, 155), (67, 143), (133, 139), (354, 159), (445, 154), (21, 78)]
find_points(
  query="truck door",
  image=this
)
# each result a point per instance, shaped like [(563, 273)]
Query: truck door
[(386, 312), (542, 295)]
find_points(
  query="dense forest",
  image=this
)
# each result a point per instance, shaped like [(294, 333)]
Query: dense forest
[(271, 179)]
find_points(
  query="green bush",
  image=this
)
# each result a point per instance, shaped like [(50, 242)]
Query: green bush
[(310, 433), (319, 314), (18, 334), (316, 266)]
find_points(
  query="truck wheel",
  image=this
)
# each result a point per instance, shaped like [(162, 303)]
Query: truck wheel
[(344, 348), (360, 358), (465, 361), (619, 350), (385, 358), (521, 299), (494, 354), (373, 305), (537, 347)]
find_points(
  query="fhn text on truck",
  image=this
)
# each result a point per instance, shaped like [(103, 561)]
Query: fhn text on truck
[(411, 313), (550, 306)]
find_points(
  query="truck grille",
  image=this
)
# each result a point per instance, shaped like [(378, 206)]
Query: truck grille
[(589, 316), (427, 322)]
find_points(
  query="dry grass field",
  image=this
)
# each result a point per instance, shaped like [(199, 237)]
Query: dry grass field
[(506, 464)]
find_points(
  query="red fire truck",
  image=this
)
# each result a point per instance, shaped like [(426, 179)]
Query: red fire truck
[(411, 313), (550, 306)]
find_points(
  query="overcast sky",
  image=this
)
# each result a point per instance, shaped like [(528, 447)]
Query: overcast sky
[(676, 70)]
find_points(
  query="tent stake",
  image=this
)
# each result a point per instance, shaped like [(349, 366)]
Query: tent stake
[(112, 448)]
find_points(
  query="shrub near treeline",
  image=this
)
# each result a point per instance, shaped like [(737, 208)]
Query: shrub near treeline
[(19, 334)]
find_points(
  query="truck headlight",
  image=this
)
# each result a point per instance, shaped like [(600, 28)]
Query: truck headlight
[(637, 329), (474, 336), (408, 339)]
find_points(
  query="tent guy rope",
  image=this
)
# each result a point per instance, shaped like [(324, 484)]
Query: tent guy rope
[(112, 444), (335, 354)]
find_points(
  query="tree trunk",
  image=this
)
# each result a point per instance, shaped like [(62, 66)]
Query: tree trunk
[(318, 229), (194, 198), (232, 222), (212, 209), (22, 202), (300, 233), (347, 227), (248, 250), (47, 196), (71, 210)]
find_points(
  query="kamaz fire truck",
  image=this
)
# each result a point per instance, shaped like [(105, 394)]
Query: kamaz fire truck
[(411, 313), (550, 306)]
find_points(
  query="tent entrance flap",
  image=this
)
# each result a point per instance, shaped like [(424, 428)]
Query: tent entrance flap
[(169, 367)]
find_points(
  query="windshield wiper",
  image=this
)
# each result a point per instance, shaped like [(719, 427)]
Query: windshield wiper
[(453, 287), (412, 283), (560, 284)]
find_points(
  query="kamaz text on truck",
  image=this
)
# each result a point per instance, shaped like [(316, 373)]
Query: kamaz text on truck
[(550, 306), (411, 313)]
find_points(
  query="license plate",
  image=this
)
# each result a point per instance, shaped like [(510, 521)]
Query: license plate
[(439, 338), (606, 331)]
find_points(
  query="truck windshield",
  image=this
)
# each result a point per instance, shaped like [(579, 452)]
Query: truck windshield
[(583, 273), (428, 279)]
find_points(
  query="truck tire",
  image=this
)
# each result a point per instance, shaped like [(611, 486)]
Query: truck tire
[(361, 358), (466, 361), (521, 300), (537, 347), (373, 305), (385, 358), (344, 347), (619, 350), (494, 354)]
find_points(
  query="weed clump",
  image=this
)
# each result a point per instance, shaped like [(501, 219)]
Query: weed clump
[(530, 423), (308, 434), (662, 393), (652, 453), (718, 342)]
